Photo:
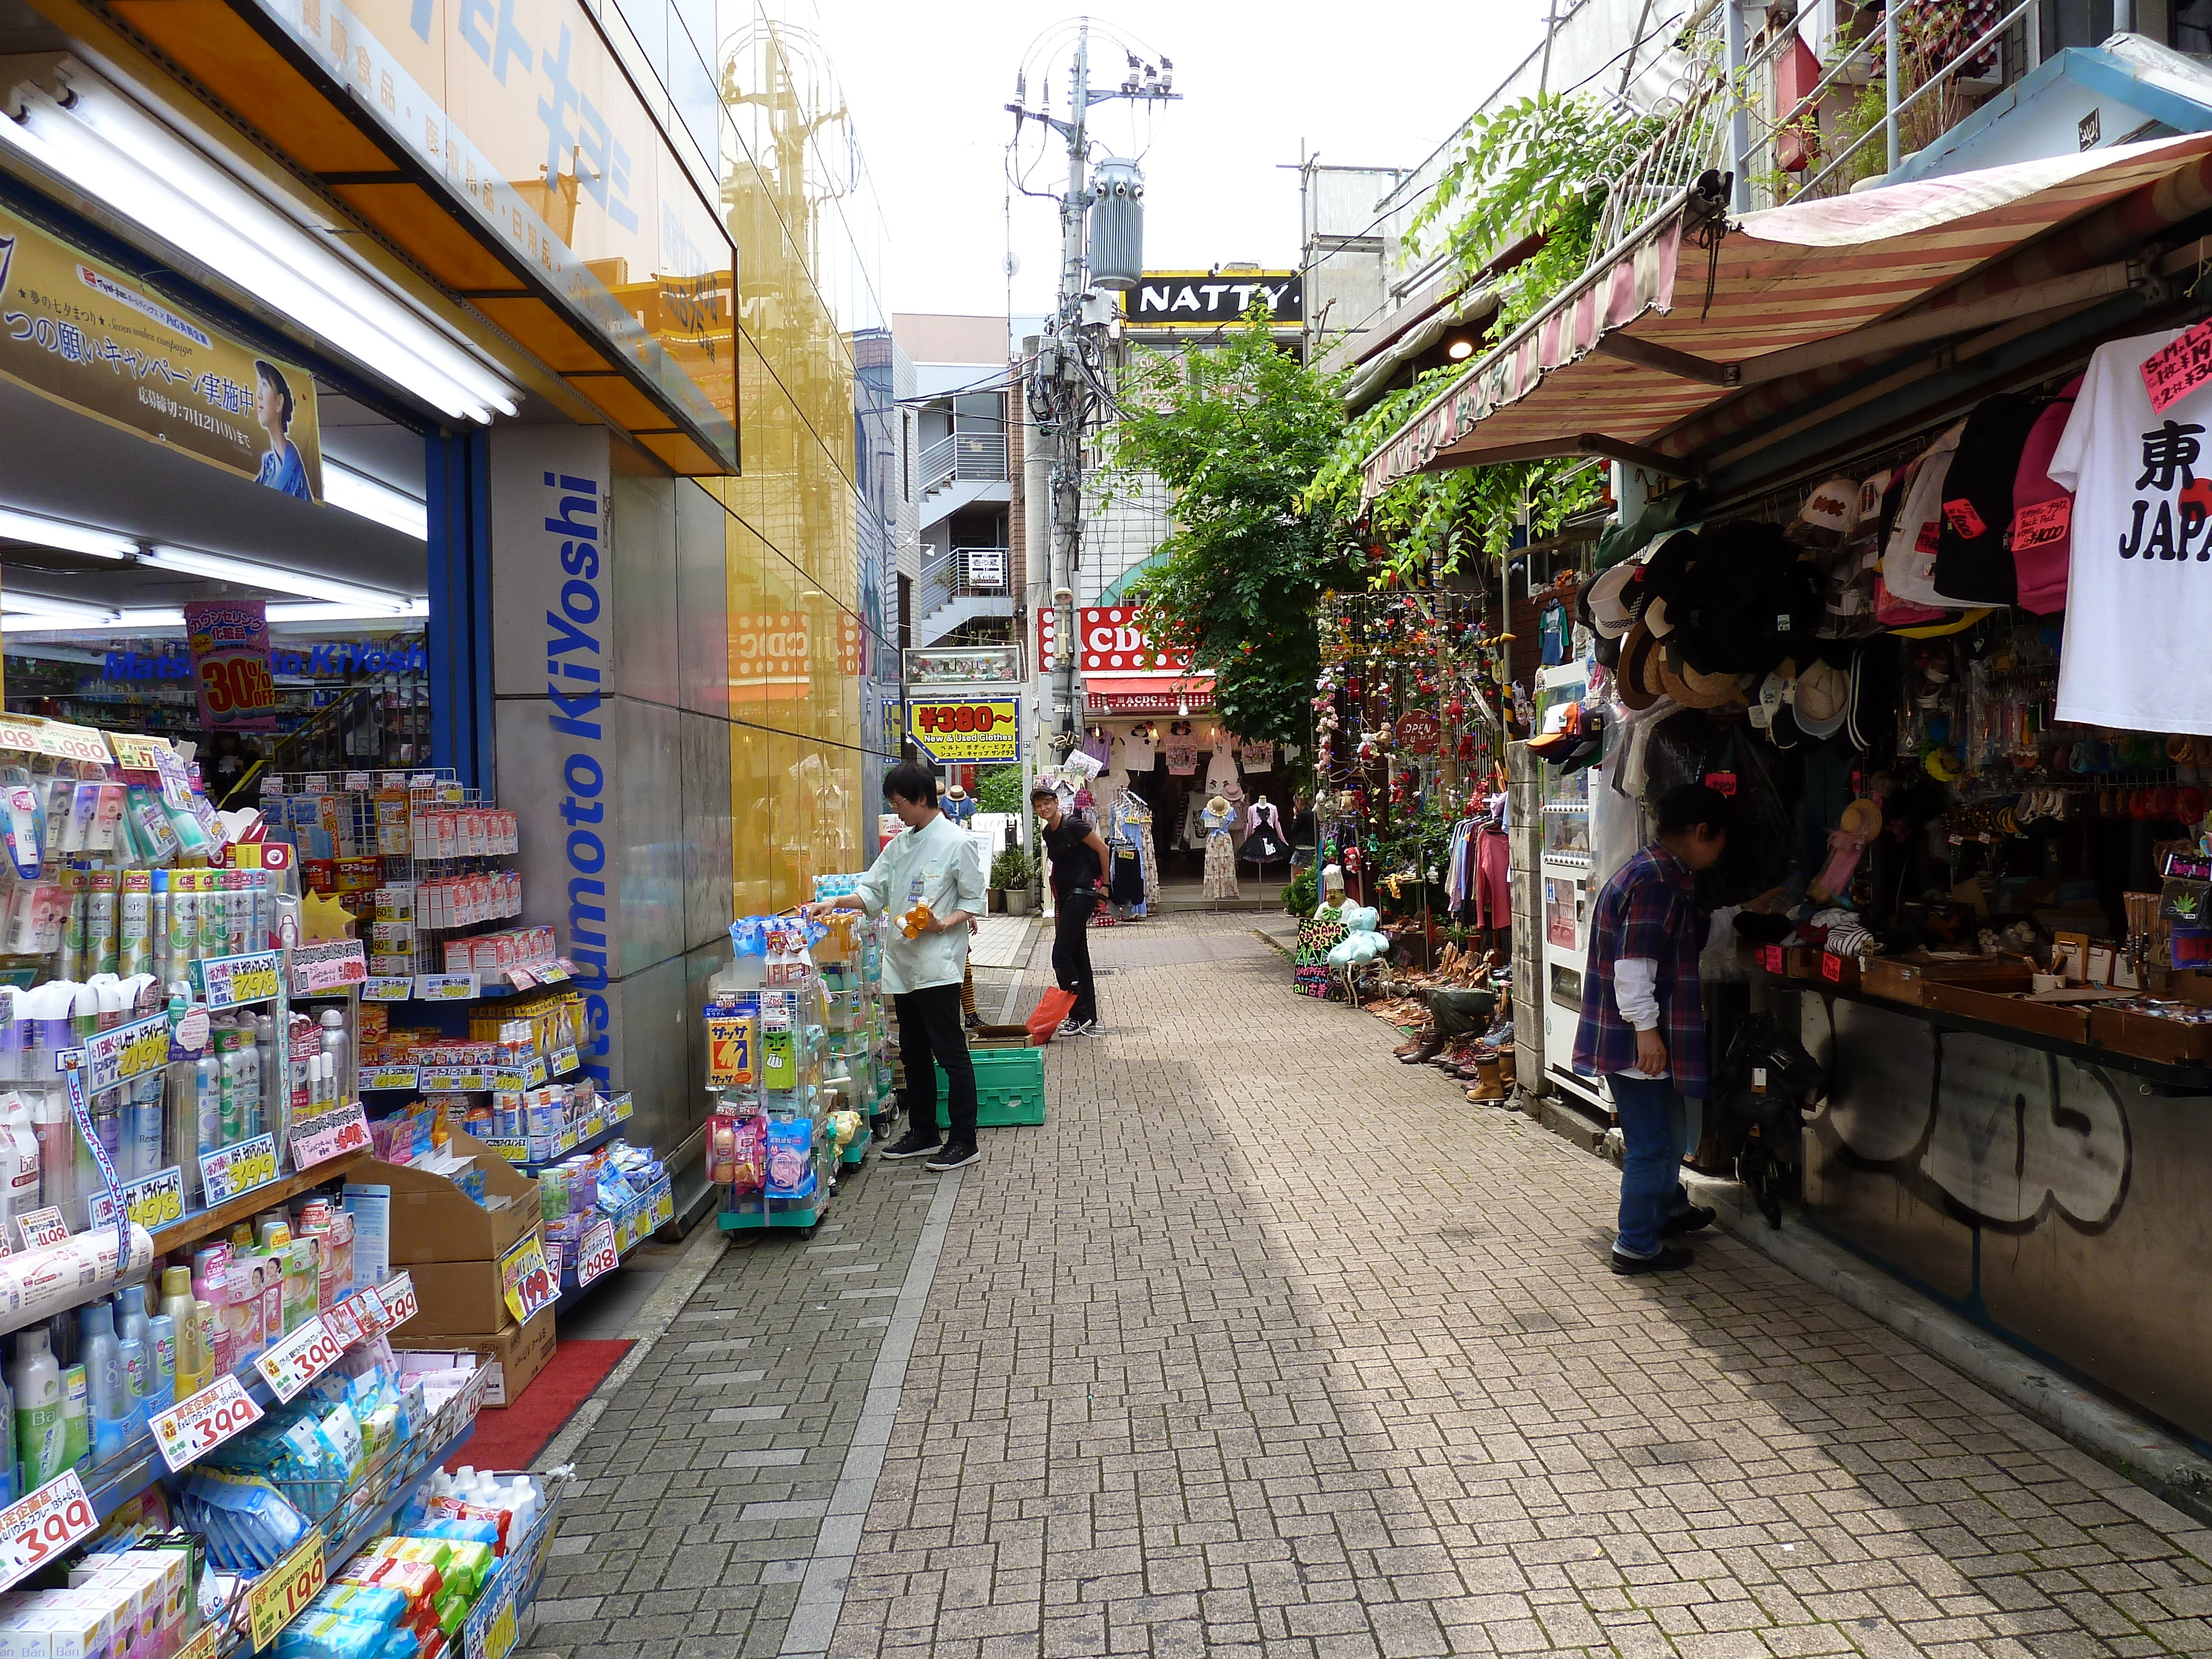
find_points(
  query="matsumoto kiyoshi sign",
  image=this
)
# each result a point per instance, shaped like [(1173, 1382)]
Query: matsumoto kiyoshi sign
[(963, 731), (338, 659), (1199, 299)]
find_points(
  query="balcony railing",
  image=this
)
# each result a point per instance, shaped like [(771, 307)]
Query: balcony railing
[(1733, 116), (963, 455), (956, 573)]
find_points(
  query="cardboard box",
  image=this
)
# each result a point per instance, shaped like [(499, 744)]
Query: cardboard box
[(514, 1356), (457, 1298), (433, 1220)]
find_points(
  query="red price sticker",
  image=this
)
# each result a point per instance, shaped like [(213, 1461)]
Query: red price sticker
[(35, 1529), (300, 1359), (2177, 367), (1831, 967), (331, 1135), (198, 1425), (397, 1297), (596, 1255), (2042, 524)]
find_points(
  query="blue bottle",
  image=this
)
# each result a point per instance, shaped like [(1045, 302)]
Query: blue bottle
[(109, 1388)]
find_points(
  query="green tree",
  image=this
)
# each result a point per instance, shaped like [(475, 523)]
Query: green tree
[(1237, 432)]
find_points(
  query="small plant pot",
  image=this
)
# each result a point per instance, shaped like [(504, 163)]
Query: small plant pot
[(1017, 901)]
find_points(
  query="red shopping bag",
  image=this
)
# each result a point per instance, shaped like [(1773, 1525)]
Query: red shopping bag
[(1054, 1006)]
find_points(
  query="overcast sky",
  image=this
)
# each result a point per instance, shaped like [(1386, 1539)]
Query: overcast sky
[(1374, 86)]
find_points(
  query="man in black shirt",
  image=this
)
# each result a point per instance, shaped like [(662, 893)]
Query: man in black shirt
[(1079, 872)]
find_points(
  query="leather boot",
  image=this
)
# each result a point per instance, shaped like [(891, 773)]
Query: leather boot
[(1429, 1049)]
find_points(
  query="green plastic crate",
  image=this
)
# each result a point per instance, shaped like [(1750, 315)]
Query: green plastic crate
[(1009, 1088)]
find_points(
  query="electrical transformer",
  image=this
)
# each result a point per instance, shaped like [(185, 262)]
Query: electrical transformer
[(1117, 225)]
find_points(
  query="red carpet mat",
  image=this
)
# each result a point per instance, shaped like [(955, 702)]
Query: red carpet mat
[(508, 1436)]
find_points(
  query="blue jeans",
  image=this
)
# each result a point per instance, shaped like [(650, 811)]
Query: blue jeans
[(1653, 1125)]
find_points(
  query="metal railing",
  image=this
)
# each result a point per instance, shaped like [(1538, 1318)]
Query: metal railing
[(1733, 119), (963, 455), (959, 572)]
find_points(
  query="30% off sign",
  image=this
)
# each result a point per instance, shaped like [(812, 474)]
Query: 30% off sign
[(193, 1427), (35, 1529)]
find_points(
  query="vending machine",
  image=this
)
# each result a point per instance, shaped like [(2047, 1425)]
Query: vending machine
[(1564, 894)]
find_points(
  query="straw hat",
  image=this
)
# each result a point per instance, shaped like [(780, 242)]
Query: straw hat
[(1693, 688), (1631, 679)]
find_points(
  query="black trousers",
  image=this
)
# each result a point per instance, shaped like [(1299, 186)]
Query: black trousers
[(930, 1036), (1071, 956)]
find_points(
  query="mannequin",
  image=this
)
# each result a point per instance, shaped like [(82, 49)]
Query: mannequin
[(1220, 857), (1265, 844)]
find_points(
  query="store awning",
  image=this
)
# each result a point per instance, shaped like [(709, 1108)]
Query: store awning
[(1671, 327), (1147, 693)]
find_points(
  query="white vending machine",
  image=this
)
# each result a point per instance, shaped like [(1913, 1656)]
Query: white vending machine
[(1563, 895)]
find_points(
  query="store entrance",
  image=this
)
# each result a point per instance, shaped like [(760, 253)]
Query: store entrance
[(109, 542)]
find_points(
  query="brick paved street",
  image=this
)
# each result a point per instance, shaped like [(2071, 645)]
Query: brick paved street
[(1268, 1345)]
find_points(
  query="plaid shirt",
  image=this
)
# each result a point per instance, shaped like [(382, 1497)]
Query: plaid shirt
[(1646, 910)]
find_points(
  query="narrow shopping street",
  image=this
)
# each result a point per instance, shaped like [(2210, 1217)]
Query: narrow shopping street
[(1265, 1343)]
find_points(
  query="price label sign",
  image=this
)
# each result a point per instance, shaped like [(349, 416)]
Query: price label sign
[(619, 1107), (193, 1427), (331, 1135), (42, 1227), (373, 1079), (510, 1079), (438, 1078), (492, 1629), (153, 1202), (387, 987), (553, 973), (358, 783), (35, 1529), (203, 1645), (235, 981), (445, 987), (513, 1148), (229, 1170), (566, 1061), (526, 1279), (397, 1297), (113, 1058), (280, 1593), (300, 1359), (597, 1254)]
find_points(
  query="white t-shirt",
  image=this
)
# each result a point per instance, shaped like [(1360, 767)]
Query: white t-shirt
[(1137, 752), (2139, 587)]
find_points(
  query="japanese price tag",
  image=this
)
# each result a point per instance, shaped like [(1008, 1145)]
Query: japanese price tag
[(198, 1424), (42, 1227), (328, 1136), (445, 987), (566, 1061), (203, 1645), (396, 1296), (597, 1254), (280, 1593), (113, 1058), (35, 1529), (387, 987), (235, 982), (370, 1079), (300, 1359), (2178, 368), (230, 1170), (2041, 524), (153, 1202), (526, 1280)]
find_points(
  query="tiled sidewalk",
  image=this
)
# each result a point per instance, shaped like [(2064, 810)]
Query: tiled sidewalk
[(1268, 1345)]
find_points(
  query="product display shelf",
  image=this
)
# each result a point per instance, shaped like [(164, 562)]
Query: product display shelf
[(589, 1144), (407, 1080), (498, 1624), (784, 1090), (632, 1228), (246, 1206)]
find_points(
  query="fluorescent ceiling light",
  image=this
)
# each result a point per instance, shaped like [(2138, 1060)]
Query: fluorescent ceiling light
[(16, 603), (18, 525), (219, 567), (145, 619), (373, 498), (108, 147), (418, 610)]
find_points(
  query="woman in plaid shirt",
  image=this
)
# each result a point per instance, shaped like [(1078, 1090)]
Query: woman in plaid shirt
[(1643, 1024)]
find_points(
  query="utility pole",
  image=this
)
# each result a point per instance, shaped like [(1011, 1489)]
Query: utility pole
[(1066, 386)]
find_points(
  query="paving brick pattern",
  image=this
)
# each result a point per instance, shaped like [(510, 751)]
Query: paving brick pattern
[(704, 1483), (1266, 1345)]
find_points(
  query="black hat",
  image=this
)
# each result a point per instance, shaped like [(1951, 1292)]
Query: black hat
[(1973, 554), (1667, 570), (1750, 601)]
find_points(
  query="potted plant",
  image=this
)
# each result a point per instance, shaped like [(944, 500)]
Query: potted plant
[(1009, 882)]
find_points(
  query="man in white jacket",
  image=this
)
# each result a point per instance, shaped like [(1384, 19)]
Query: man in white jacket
[(934, 862)]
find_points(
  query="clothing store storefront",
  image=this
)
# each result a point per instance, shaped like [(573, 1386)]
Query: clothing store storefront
[(1178, 798), (1929, 619)]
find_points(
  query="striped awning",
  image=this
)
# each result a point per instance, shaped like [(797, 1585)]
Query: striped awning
[(1671, 327)]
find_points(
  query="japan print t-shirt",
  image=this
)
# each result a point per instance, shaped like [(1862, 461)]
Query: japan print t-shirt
[(2139, 587)]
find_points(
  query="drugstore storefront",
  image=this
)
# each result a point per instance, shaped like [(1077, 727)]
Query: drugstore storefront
[(517, 342)]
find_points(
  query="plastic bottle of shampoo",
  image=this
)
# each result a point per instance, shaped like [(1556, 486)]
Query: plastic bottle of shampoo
[(108, 1389), (41, 1436)]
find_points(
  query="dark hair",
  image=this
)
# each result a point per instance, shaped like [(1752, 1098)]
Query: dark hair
[(1043, 792), (1686, 806), (911, 780), (277, 384)]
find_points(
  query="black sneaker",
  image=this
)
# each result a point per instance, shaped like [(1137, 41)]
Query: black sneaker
[(913, 1144), (956, 1154), (1696, 1218), (1670, 1257)]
